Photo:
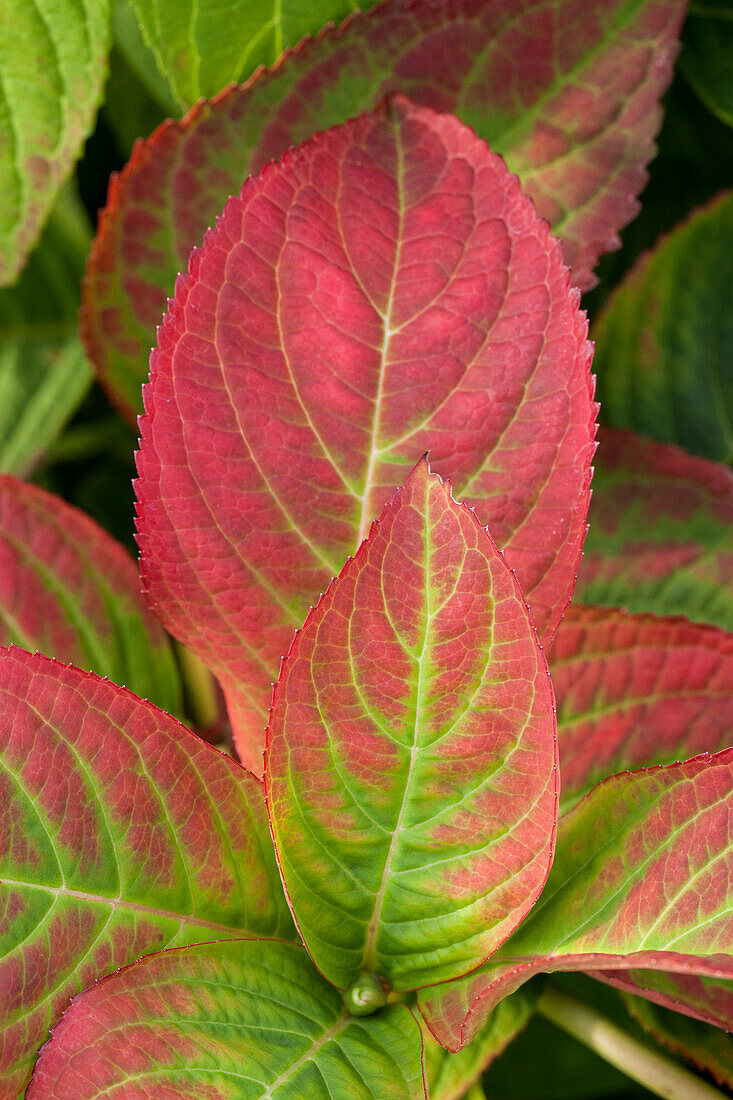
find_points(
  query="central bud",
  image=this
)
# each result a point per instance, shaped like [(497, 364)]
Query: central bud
[(365, 995)]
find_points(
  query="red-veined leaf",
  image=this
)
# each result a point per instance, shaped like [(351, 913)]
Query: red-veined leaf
[(72, 592), (121, 833), (660, 525), (697, 996), (411, 758), (710, 1048), (642, 879), (385, 290), (568, 92), (635, 690), (247, 1019)]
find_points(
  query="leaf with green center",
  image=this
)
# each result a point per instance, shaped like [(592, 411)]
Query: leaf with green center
[(52, 60), (664, 341), (567, 92), (72, 592), (708, 1047), (450, 1075), (200, 46), (706, 57), (634, 690), (226, 1020), (44, 373), (642, 879), (383, 291), (121, 833), (411, 759), (659, 537)]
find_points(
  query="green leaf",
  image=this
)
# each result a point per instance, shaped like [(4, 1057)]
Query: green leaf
[(120, 833), (707, 55), (131, 44), (44, 373), (201, 45), (642, 880), (659, 538), (411, 752), (450, 1075), (664, 341), (710, 1048), (235, 1020), (52, 65)]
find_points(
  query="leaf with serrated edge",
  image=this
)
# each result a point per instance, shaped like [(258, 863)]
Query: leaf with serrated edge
[(52, 58), (659, 538), (384, 291), (635, 690), (450, 1075), (247, 1019), (121, 833), (696, 995), (642, 879), (411, 758), (663, 340), (710, 1048), (567, 92), (69, 590)]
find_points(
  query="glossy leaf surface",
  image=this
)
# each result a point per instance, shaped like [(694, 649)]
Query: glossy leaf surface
[(52, 57), (706, 57), (384, 291), (664, 340), (71, 591), (200, 46), (411, 759), (635, 690), (659, 538), (567, 92), (642, 879), (450, 1075), (244, 1020), (44, 373), (710, 1048), (121, 833)]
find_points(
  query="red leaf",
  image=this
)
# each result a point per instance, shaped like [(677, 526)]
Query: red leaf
[(411, 767), (72, 592), (120, 833), (385, 290), (642, 880), (635, 690), (568, 92), (703, 998), (660, 526)]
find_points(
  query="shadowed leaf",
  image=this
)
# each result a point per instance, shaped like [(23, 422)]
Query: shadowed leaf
[(223, 1020), (664, 341), (567, 92), (710, 1048), (52, 59), (706, 57), (659, 537), (72, 592), (121, 833), (635, 690), (384, 291), (411, 759), (642, 880)]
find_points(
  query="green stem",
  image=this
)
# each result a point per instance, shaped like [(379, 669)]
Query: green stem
[(200, 688), (655, 1071)]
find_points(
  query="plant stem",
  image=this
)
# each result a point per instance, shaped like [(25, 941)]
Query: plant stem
[(655, 1071), (200, 688)]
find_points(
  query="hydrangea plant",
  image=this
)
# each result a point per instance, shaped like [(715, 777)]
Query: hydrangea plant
[(363, 487)]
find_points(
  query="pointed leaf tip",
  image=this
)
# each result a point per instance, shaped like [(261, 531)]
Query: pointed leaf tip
[(411, 759), (386, 292)]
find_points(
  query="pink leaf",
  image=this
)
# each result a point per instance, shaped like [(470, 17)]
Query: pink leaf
[(120, 833), (567, 91), (634, 690), (642, 880), (411, 761), (384, 291)]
